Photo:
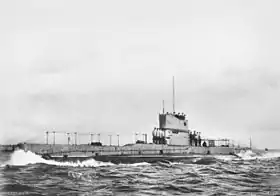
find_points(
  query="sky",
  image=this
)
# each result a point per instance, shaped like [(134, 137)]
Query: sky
[(105, 67)]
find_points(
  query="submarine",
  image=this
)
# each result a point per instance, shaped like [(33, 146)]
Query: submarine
[(172, 140)]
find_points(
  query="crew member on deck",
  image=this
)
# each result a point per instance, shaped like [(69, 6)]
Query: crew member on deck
[(195, 138), (199, 139), (204, 144), (191, 138)]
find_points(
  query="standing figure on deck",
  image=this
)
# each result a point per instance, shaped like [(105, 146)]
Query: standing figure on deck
[(204, 144), (191, 138), (195, 138), (199, 139)]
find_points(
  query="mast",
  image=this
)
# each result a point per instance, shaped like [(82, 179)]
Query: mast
[(75, 138), (53, 137), (47, 137), (91, 137), (250, 143), (110, 137), (163, 106), (173, 94), (68, 138)]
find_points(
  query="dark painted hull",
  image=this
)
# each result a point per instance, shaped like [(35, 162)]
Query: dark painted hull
[(126, 154), (116, 159)]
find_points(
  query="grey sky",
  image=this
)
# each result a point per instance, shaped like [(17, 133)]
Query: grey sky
[(105, 66)]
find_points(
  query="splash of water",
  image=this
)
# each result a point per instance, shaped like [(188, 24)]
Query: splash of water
[(136, 164), (251, 155), (225, 157), (21, 158)]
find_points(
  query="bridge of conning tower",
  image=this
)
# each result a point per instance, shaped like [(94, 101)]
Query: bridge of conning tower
[(174, 122), (173, 130)]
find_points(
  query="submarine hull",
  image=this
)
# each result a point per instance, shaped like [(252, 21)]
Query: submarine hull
[(116, 159), (134, 153)]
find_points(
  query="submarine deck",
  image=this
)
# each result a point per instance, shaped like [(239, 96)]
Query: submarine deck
[(124, 154)]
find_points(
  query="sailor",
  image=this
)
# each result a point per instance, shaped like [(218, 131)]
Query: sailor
[(154, 135), (191, 138), (182, 116), (199, 139), (195, 138), (204, 144)]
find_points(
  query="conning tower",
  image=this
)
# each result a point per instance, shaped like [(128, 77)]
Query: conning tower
[(173, 127), (173, 130)]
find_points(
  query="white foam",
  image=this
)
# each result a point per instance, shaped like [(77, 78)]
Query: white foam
[(271, 155), (21, 158), (136, 164), (176, 163), (225, 157), (250, 155)]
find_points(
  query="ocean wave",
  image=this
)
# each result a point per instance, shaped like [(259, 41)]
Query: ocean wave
[(251, 155), (135, 164), (22, 158), (166, 178), (204, 161)]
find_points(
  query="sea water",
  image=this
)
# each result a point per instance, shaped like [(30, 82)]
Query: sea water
[(25, 173)]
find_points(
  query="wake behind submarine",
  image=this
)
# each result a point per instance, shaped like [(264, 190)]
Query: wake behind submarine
[(172, 140)]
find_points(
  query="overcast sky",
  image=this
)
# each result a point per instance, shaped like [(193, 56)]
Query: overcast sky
[(106, 66)]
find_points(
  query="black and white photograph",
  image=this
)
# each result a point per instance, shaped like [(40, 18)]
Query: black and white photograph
[(140, 98)]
